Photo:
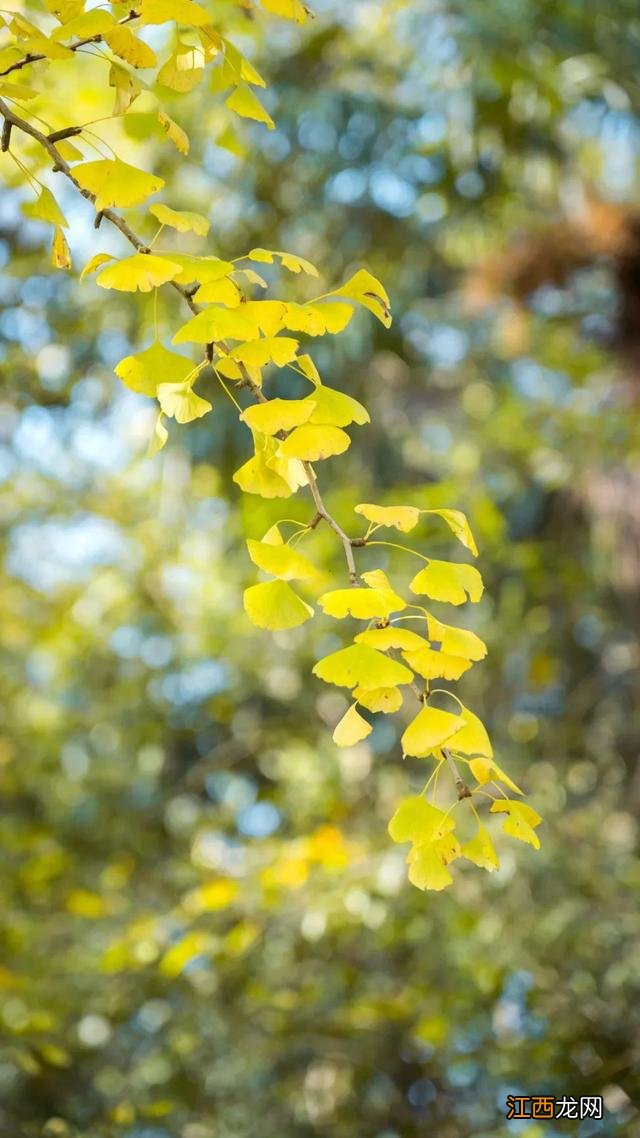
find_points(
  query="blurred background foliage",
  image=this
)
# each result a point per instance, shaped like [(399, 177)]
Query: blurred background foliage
[(205, 931)]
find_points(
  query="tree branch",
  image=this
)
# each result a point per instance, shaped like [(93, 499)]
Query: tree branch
[(29, 58)]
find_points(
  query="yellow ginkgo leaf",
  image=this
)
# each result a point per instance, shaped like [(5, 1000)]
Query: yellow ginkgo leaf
[(45, 208), (288, 9), (432, 665), (243, 101), (182, 11), (480, 850), (216, 323), (60, 252), (429, 730), (359, 665), (363, 604), (175, 133), (179, 402), (455, 641), (279, 350), (521, 820), (159, 437), (139, 273), (458, 525), (115, 183), (448, 581), (481, 770), (311, 442), (403, 518), (392, 637), (334, 408), (281, 561), (95, 263), (183, 70), (351, 728), (94, 23), (364, 288), (182, 220), (268, 315), (223, 292), (316, 319), (135, 51), (288, 260), (268, 476), (274, 605), (126, 87), (379, 699), (472, 738), (277, 415), (309, 369), (155, 365), (427, 870), (417, 821), (201, 269)]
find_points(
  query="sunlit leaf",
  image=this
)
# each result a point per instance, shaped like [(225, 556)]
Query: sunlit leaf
[(311, 443), (179, 402), (364, 288), (243, 101), (274, 605), (521, 820), (361, 666), (45, 208), (182, 220), (115, 183), (430, 729), (480, 850), (458, 525), (281, 561), (139, 273), (144, 371), (403, 518), (351, 728), (277, 415), (448, 581)]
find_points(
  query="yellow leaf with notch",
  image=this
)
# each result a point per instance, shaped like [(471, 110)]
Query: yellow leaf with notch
[(279, 350), (281, 561), (135, 51), (448, 581), (223, 292), (359, 665), (45, 208), (379, 699), (274, 605), (156, 364), (472, 738), (364, 288), (277, 415), (403, 518), (60, 252), (175, 133), (182, 220), (392, 637), (429, 730), (480, 850), (351, 729), (363, 604), (456, 641), (312, 443), (417, 821), (458, 525), (95, 263), (216, 324), (432, 665), (139, 273), (179, 402), (116, 183), (289, 261), (520, 822), (335, 409), (243, 101)]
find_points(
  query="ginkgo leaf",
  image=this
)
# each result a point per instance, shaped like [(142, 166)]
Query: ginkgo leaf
[(268, 315), (391, 637), (268, 476), (430, 729), (487, 770), (480, 850), (334, 408), (274, 605), (45, 208), (427, 870), (458, 525), (364, 288), (279, 350), (520, 822), (403, 518), (159, 437), (179, 402), (156, 364), (93, 23), (363, 604), (182, 220), (289, 261), (115, 183), (281, 561), (379, 699), (95, 263), (359, 665), (243, 101), (216, 323), (448, 581), (202, 269), (417, 821), (182, 11), (351, 728), (12, 90), (175, 133), (223, 292), (456, 641), (309, 369), (60, 252), (288, 9), (311, 443), (277, 415), (316, 319), (127, 88), (182, 71), (472, 738), (139, 273), (135, 51), (432, 665)]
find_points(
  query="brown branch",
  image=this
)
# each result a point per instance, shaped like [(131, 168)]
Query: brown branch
[(461, 786)]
